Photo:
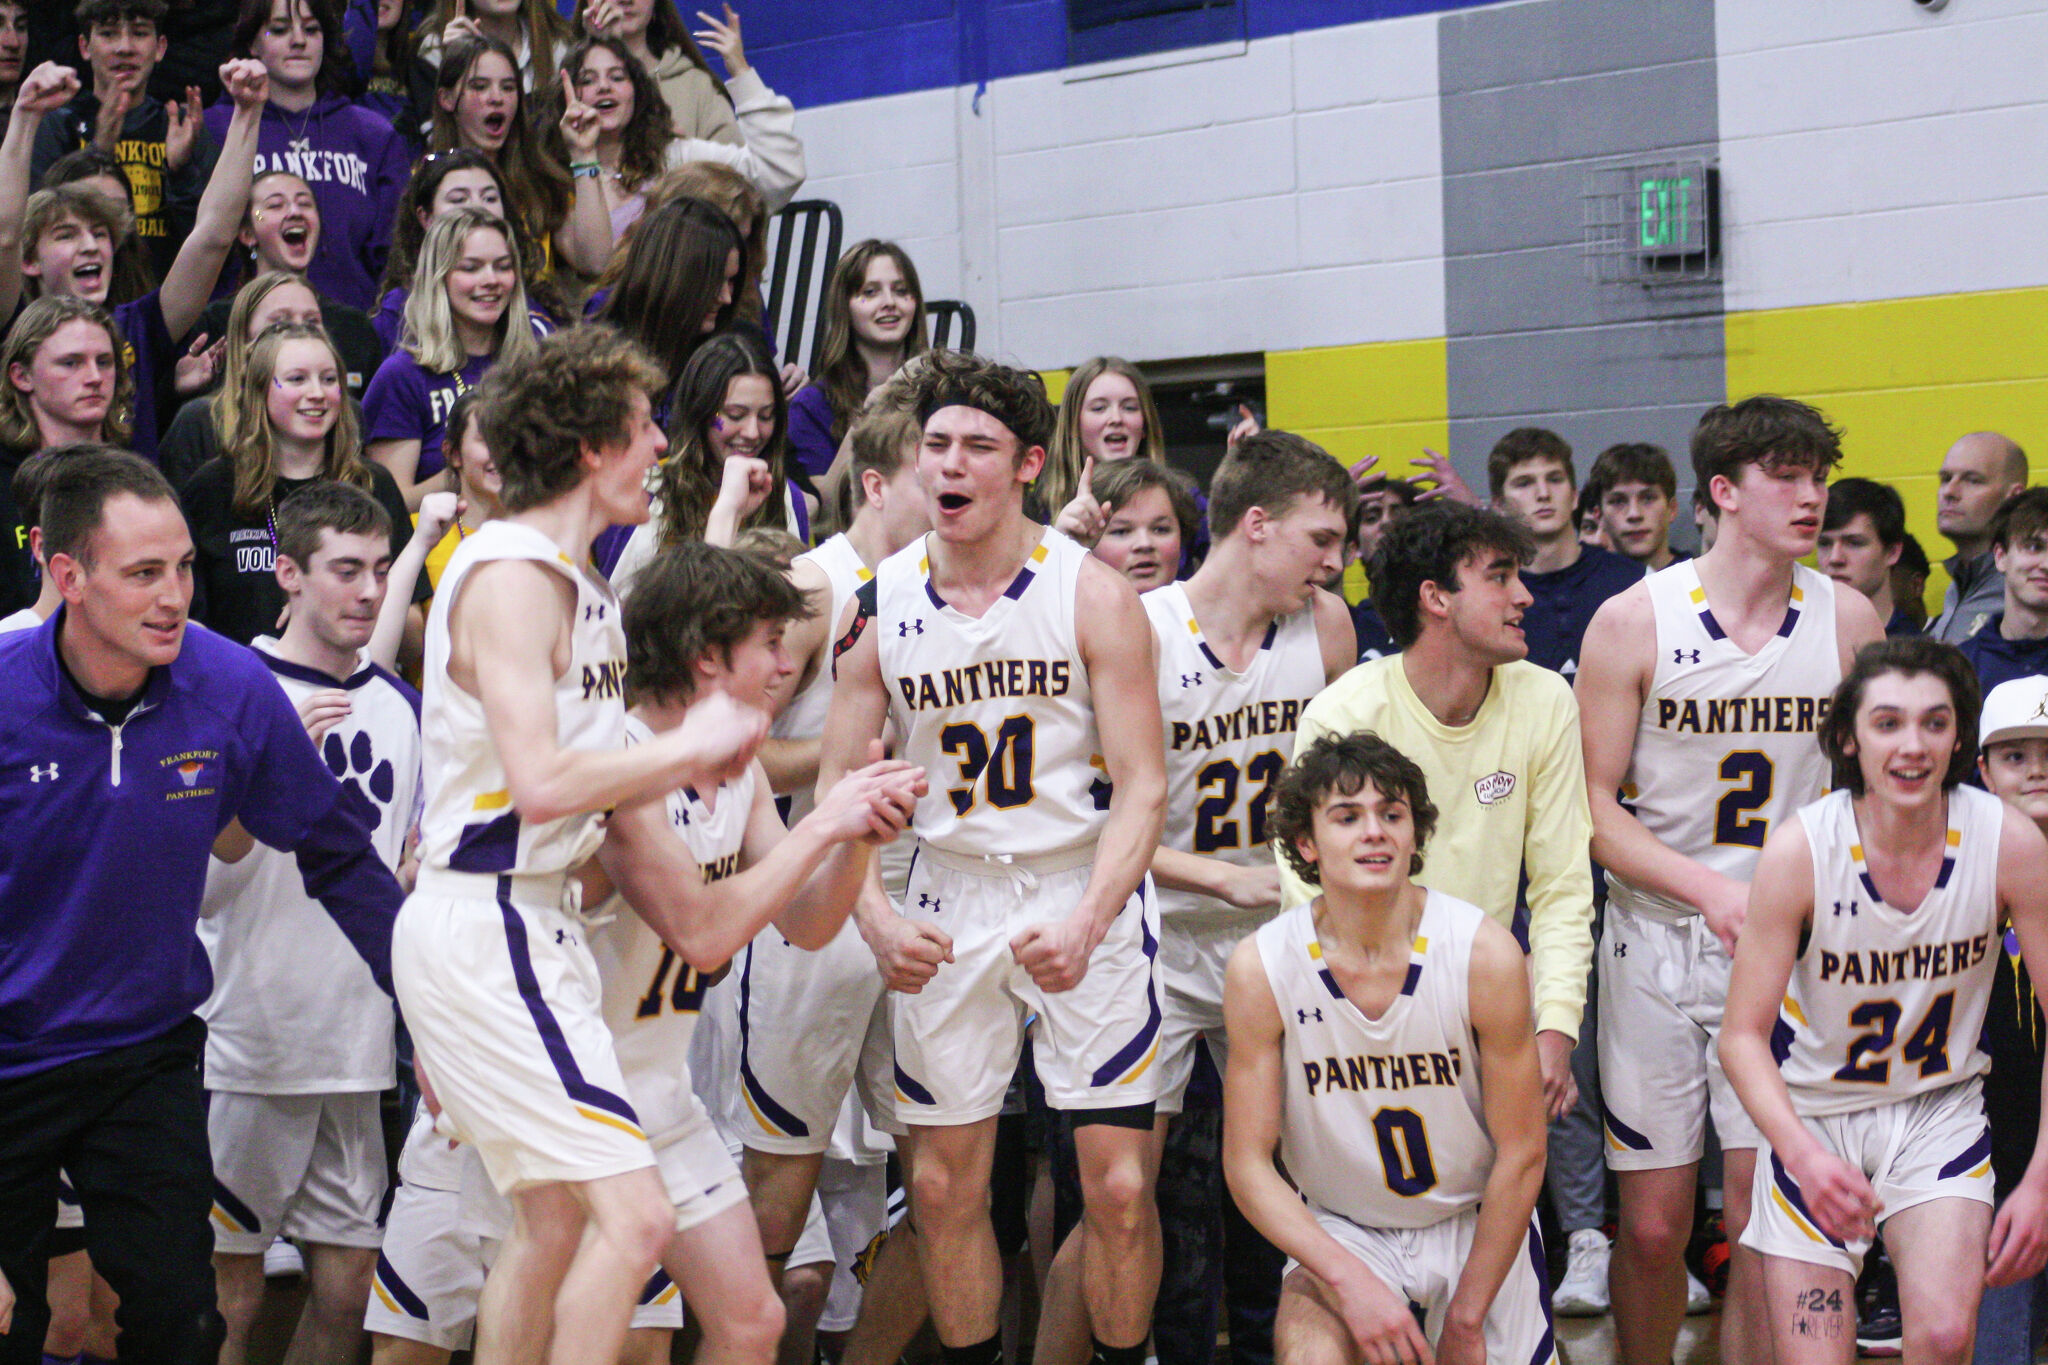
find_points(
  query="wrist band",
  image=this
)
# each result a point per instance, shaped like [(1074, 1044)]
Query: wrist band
[(589, 168)]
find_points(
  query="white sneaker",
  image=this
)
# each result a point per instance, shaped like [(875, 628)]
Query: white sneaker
[(1698, 1298), (282, 1261), (1583, 1291)]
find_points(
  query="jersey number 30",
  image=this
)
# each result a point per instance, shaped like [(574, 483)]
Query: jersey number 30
[(1005, 765)]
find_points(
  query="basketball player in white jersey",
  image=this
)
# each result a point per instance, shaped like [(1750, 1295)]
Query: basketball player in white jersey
[(524, 729), (1244, 643), (299, 1038), (1700, 691), (1383, 1040), (701, 620), (812, 1024), (1858, 1000), (1019, 672)]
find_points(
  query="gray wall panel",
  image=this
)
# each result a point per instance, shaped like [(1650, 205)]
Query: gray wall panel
[(1534, 96)]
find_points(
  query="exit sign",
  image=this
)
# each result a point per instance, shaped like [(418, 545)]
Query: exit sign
[(1664, 213)]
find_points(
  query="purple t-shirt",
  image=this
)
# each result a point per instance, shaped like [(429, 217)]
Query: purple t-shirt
[(407, 403), (810, 430), (151, 352), (356, 167)]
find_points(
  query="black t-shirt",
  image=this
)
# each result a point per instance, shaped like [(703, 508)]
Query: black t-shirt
[(19, 584), (234, 577)]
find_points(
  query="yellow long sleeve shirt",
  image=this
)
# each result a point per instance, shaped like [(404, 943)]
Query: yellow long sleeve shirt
[(1510, 791)]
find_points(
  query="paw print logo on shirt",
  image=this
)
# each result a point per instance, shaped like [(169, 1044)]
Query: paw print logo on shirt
[(355, 763)]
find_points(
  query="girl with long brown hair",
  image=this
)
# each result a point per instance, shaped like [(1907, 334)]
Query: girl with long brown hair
[(874, 321)]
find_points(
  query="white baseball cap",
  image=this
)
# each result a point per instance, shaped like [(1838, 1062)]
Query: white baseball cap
[(2015, 710)]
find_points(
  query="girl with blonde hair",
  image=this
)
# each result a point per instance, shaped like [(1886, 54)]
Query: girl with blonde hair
[(288, 423), (467, 310)]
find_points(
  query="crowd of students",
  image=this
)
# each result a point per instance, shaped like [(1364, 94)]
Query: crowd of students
[(404, 304)]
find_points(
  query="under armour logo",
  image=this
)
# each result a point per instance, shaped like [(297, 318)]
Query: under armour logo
[(927, 901), (1621, 950), (1852, 908), (562, 936), (1303, 1015), (1685, 656), (1190, 680), (905, 629), (594, 611), (39, 773)]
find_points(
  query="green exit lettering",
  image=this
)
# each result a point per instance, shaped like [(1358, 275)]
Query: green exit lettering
[(1665, 211)]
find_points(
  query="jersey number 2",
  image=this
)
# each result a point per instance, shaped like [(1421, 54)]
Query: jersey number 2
[(1006, 763), (1216, 829), (1735, 815), (1404, 1151)]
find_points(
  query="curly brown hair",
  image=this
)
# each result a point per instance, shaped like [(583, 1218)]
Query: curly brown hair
[(691, 600), (541, 410), (643, 142), (1344, 763)]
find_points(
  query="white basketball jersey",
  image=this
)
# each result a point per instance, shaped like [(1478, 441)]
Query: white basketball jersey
[(804, 717), (1381, 1122), (1727, 744), (294, 1010), (470, 825), (651, 997), (1228, 736), (997, 710), (1884, 1004)]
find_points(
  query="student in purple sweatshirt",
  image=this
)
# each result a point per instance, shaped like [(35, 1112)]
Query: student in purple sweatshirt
[(130, 743), (355, 163), (67, 234)]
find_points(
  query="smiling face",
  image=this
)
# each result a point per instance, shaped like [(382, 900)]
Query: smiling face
[(1112, 418), (72, 257), (291, 46), (1485, 613), (753, 671), (1538, 493), (1362, 843), (121, 52), (2024, 562), (618, 472), (126, 598), (305, 394), (884, 305), (283, 227), (1905, 737), (466, 187), (745, 422), (480, 282), (70, 379), (339, 593), (973, 473), (478, 472), (2016, 771), (485, 103), (1142, 540), (603, 83)]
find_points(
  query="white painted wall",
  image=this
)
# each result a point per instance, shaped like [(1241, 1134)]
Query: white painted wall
[(1870, 150), (1285, 195)]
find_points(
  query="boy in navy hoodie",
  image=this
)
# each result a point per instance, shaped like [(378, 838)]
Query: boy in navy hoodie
[(162, 148)]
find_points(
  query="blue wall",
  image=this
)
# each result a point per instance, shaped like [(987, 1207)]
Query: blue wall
[(829, 51)]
